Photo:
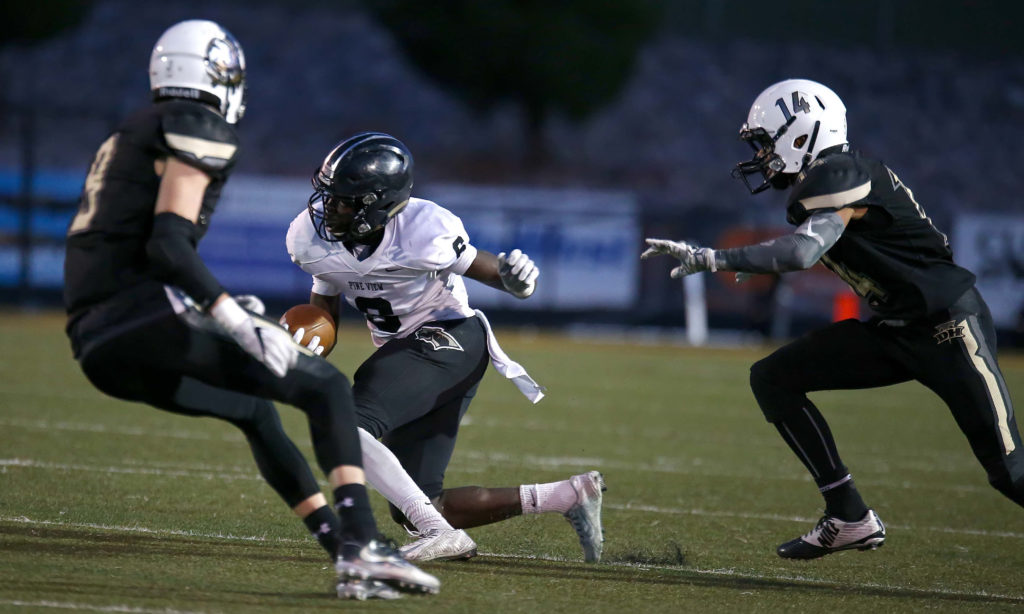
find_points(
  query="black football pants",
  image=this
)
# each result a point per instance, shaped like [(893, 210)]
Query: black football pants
[(184, 364), (953, 353), (413, 392)]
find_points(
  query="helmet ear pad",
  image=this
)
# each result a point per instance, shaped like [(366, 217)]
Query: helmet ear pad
[(371, 174)]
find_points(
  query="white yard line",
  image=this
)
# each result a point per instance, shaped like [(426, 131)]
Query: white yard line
[(636, 507), (173, 473), (88, 607), (169, 470), (732, 573), (695, 466), (148, 531)]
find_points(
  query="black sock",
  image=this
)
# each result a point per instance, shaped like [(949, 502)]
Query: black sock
[(810, 438), (352, 503), (844, 502), (326, 528), (808, 435)]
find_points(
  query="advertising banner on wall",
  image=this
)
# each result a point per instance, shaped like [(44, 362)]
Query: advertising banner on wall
[(992, 246)]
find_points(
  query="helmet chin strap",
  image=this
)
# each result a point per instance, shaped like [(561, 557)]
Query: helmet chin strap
[(810, 147)]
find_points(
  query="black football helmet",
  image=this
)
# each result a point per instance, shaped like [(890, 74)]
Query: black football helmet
[(363, 183)]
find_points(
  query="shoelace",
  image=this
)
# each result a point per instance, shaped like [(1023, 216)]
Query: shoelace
[(826, 529), (421, 534)]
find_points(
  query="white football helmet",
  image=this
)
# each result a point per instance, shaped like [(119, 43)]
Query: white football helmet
[(789, 124), (199, 60)]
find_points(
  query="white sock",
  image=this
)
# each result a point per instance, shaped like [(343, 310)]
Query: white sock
[(551, 497), (388, 477)]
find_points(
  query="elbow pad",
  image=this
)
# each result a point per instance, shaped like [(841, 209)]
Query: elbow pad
[(173, 258)]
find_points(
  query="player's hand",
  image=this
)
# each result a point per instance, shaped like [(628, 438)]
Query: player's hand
[(518, 273), (314, 341), (251, 302), (265, 341), (692, 258)]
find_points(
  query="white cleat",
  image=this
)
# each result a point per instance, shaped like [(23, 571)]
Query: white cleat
[(366, 589), (585, 514), (380, 560), (834, 535), (439, 545)]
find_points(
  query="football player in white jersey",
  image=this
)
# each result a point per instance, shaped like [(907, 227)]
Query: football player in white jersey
[(400, 261)]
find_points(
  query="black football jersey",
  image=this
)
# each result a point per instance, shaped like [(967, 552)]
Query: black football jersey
[(106, 240), (893, 256)]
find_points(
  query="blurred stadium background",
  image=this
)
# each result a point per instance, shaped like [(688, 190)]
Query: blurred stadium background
[(571, 129)]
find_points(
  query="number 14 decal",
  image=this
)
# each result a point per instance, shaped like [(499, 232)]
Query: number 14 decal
[(799, 105)]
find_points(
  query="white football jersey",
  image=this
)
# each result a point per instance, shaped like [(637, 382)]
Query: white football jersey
[(414, 275)]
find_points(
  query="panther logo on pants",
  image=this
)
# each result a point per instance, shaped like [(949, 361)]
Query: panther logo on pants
[(437, 337), (947, 331)]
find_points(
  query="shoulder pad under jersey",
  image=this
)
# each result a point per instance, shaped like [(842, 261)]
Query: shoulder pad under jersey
[(304, 245), (829, 184), (198, 136), (430, 237)]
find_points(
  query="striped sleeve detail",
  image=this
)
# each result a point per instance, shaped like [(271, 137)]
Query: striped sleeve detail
[(200, 148), (837, 199)]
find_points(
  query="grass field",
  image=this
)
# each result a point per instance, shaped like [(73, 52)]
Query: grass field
[(112, 507)]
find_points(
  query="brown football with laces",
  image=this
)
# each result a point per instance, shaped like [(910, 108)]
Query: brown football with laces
[(314, 321)]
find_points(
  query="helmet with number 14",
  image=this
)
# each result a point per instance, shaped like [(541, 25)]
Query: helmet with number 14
[(789, 124)]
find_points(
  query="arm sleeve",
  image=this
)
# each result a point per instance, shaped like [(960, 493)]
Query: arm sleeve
[(173, 257), (793, 252)]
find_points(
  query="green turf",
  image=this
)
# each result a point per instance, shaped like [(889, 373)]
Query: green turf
[(112, 507)]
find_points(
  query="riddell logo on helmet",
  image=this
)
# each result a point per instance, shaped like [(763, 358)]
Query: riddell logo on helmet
[(179, 92)]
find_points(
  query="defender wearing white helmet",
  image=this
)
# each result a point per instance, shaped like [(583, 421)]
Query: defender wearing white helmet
[(148, 322), (930, 324)]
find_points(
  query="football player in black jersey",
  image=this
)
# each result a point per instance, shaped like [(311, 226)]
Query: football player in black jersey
[(930, 324), (149, 323)]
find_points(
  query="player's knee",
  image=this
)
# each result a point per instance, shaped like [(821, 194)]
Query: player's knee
[(761, 377), (766, 384), (328, 391), (371, 422), (259, 415), (1010, 484)]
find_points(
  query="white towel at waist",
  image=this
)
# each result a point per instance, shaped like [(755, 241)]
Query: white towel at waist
[(508, 367)]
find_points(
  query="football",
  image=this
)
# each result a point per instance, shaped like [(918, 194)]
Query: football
[(314, 321)]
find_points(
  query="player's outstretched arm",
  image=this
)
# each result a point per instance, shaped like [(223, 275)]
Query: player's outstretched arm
[(514, 273), (793, 252)]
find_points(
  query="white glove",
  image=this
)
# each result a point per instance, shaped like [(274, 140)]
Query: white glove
[(692, 259), (251, 302), (518, 273), (314, 341), (266, 341)]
